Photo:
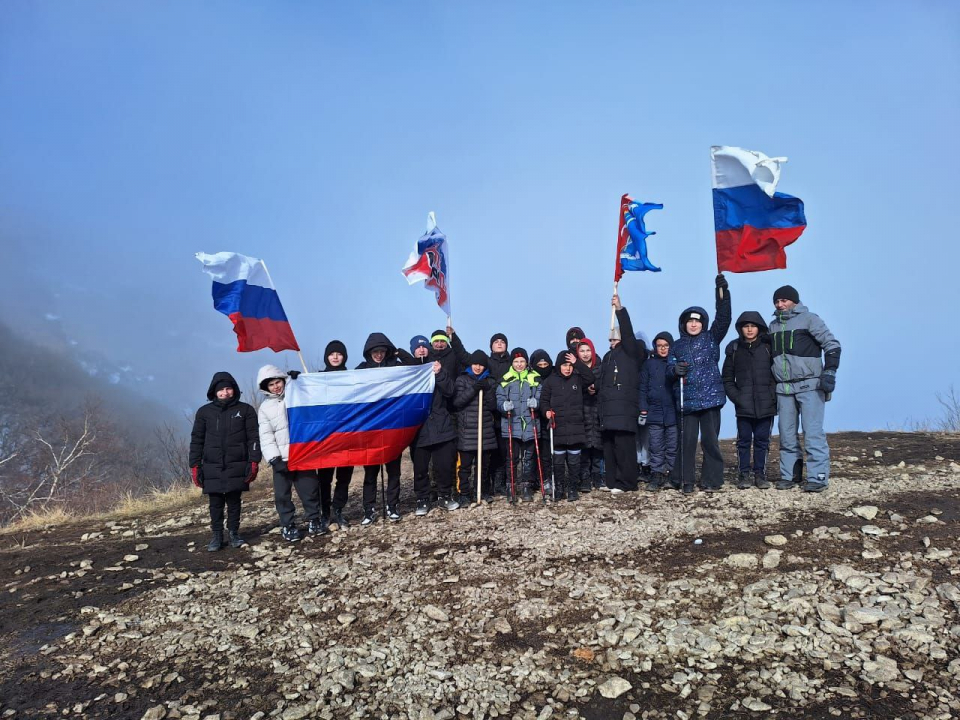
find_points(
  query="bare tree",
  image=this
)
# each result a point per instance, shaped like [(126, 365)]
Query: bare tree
[(950, 402), (174, 450)]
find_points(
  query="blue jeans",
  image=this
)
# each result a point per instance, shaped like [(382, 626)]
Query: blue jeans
[(803, 409), (753, 432)]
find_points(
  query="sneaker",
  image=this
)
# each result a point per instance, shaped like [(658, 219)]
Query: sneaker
[(600, 484), (423, 507), (815, 486), (744, 481), (785, 485), (488, 498), (713, 488), (653, 486), (319, 527), (235, 539), (216, 542), (338, 519), (760, 481), (369, 517), (689, 489), (526, 494), (393, 515), (615, 491), (449, 504), (572, 494), (290, 533), (585, 485)]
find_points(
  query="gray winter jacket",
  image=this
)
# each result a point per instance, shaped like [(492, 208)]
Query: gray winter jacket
[(799, 338)]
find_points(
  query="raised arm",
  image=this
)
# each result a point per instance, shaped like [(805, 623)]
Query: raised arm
[(723, 315)]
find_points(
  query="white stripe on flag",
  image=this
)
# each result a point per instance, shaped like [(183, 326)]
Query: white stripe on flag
[(359, 386), (228, 267), (736, 167)]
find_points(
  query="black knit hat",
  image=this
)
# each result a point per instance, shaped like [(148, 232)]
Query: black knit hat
[(787, 292), (574, 332), (499, 336), (519, 352), (478, 357)]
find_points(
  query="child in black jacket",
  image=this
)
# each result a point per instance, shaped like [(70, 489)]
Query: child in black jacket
[(562, 403)]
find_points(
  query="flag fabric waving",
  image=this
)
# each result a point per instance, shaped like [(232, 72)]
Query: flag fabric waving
[(754, 222), (243, 292), (632, 237), (356, 417), (429, 262)]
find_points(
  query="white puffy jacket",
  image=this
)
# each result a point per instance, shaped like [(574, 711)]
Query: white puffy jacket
[(274, 431)]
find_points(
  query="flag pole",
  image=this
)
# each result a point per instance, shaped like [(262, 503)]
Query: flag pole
[(616, 263), (299, 353)]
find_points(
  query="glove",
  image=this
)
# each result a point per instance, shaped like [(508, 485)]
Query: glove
[(293, 374), (532, 403), (828, 381), (508, 405), (195, 476), (722, 283), (278, 464), (642, 420), (681, 368), (254, 469)]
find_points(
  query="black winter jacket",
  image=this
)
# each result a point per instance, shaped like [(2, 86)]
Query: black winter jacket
[(225, 440), (564, 396), (393, 357), (656, 392), (499, 364), (619, 386), (453, 358), (467, 404), (747, 372)]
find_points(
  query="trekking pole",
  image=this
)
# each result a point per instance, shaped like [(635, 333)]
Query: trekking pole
[(680, 444), (479, 445), (536, 446), (553, 472), (383, 493), (513, 486)]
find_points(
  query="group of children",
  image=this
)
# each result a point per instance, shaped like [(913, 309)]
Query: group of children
[(550, 428)]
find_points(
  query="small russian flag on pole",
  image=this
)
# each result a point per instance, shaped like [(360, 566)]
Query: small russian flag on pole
[(243, 291)]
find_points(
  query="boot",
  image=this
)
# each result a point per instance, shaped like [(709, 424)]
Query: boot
[(216, 542), (339, 520), (572, 490), (585, 484), (656, 482), (319, 526), (760, 480), (744, 481), (235, 539)]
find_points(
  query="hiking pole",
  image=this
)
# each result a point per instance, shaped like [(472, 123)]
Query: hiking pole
[(513, 486), (682, 419), (536, 446), (553, 471), (479, 444)]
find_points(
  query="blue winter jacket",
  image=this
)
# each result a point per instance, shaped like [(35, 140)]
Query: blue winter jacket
[(703, 386), (656, 392)]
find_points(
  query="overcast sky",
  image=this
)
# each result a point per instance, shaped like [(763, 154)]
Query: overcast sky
[(318, 136)]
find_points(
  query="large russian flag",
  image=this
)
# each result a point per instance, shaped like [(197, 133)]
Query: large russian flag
[(242, 291), (356, 417), (754, 222)]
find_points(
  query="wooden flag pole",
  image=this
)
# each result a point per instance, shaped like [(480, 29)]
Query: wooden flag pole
[(480, 447), (613, 310), (299, 354)]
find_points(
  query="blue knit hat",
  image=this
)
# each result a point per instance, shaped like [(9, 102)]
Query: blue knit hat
[(418, 341)]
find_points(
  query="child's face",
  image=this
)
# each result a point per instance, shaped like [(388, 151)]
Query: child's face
[(498, 346), (585, 353), (566, 369), (276, 386), (750, 331), (662, 347), (421, 351), (542, 365), (694, 327), (378, 354), (225, 393), (335, 359), (519, 364), (477, 369)]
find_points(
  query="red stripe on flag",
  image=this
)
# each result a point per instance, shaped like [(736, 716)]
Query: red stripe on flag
[(256, 334), (373, 447), (750, 249)]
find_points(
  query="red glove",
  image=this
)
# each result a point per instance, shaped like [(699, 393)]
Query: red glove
[(195, 475), (254, 469)]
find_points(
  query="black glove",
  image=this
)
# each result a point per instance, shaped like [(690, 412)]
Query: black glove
[(722, 283), (681, 368), (828, 381), (278, 464), (293, 374)]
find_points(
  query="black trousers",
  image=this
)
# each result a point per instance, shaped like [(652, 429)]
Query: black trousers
[(308, 488), (566, 467), (230, 500), (591, 465), (755, 432), (501, 472), (620, 459), (468, 459), (523, 465), (704, 424), (370, 475), (444, 456), (344, 474)]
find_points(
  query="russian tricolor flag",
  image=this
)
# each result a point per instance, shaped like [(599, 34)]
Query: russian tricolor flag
[(754, 222), (356, 417), (242, 291)]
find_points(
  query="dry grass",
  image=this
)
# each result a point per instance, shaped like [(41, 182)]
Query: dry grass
[(39, 519)]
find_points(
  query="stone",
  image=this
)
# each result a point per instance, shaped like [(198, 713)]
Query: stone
[(880, 669), (157, 712), (298, 713), (771, 559), (872, 530), (614, 687), (435, 613), (500, 626), (775, 540), (131, 558), (867, 512), (742, 560), (346, 618), (755, 705), (864, 615)]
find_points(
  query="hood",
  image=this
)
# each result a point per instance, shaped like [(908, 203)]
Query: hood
[(593, 360), (660, 336), (334, 346), (686, 313), (266, 374), (225, 377), (537, 356), (752, 316), (561, 358), (797, 310), (574, 332), (377, 340)]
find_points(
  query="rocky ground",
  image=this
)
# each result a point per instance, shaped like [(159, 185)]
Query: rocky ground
[(741, 604)]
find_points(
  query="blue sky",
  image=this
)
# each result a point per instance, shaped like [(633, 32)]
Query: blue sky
[(319, 135)]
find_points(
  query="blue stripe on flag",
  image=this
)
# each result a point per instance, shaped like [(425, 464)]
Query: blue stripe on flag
[(251, 301), (736, 207), (313, 423)]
